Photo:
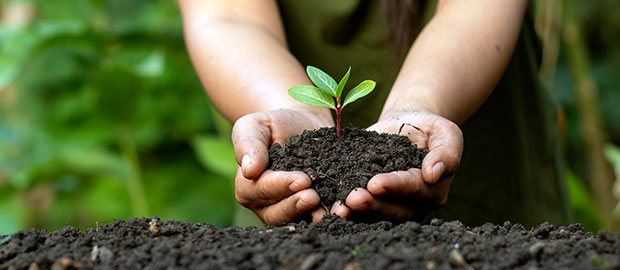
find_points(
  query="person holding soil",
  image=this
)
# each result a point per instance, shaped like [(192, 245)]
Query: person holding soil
[(473, 64)]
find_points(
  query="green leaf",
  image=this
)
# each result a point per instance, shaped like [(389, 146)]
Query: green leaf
[(322, 80), (342, 83), (311, 95), (153, 65), (216, 154), (362, 89), (612, 153), (12, 213)]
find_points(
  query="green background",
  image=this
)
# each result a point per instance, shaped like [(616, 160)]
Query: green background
[(102, 116)]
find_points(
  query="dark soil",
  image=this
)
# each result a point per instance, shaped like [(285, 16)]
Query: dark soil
[(333, 244), (337, 168)]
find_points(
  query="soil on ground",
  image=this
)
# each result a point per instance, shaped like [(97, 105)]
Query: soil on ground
[(145, 243), (337, 168)]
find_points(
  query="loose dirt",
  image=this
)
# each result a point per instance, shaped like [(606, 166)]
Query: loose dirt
[(337, 168), (333, 244)]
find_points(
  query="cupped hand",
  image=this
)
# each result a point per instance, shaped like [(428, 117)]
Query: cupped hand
[(276, 197), (411, 194)]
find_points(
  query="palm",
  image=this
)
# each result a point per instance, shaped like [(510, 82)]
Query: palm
[(276, 197), (411, 194)]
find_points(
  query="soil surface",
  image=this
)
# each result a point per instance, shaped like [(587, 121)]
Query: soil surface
[(337, 168), (333, 244)]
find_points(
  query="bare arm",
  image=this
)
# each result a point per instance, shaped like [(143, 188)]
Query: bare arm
[(239, 50), (458, 58), (452, 68), (240, 53)]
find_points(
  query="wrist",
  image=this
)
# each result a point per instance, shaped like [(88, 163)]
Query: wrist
[(401, 113), (418, 98), (403, 107)]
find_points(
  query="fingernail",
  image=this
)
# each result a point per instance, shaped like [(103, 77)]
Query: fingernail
[(438, 170), (338, 208), (245, 161), (375, 188), (335, 207)]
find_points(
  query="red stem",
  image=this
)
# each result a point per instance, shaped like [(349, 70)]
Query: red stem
[(338, 112)]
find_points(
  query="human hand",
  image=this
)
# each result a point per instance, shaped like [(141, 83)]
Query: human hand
[(411, 194), (276, 197)]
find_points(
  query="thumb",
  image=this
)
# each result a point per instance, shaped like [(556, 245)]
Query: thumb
[(251, 136), (445, 146)]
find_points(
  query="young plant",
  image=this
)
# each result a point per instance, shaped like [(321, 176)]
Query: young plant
[(327, 93)]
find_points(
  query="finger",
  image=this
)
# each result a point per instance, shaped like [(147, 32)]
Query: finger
[(340, 209), (318, 214), (408, 186), (290, 208), (251, 137), (445, 146), (270, 187), (361, 200), (405, 184)]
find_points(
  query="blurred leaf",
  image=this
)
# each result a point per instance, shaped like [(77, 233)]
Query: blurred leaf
[(119, 91), (216, 154), (14, 47), (222, 127), (153, 65), (211, 200), (245, 217), (612, 153), (7, 74), (82, 71), (107, 197), (183, 190), (582, 204), (11, 211), (66, 10)]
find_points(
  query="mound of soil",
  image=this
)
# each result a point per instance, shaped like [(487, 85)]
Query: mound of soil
[(333, 244), (337, 168)]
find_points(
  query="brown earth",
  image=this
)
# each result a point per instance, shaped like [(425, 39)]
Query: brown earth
[(333, 244), (337, 168)]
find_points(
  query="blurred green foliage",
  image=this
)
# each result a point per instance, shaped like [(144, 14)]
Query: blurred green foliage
[(600, 27), (102, 117)]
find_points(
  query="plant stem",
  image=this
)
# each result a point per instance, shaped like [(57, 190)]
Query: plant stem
[(338, 112), (135, 188)]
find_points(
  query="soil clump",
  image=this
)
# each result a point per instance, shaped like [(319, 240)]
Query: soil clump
[(149, 243), (336, 168)]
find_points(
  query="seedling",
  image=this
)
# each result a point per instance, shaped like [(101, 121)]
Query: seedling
[(355, 251), (327, 93), (601, 263)]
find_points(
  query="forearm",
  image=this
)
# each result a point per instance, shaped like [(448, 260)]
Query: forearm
[(244, 66), (458, 58)]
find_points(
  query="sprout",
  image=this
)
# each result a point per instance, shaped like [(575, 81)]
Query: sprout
[(327, 93)]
